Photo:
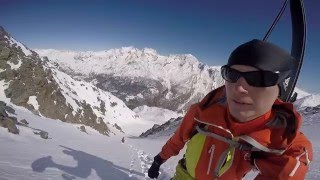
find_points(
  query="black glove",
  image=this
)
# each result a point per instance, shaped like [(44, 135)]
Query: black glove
[(153, 172)]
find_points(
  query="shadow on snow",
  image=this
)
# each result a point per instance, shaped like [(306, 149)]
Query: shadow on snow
[(86, 163)]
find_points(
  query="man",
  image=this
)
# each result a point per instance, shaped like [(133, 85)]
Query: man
[(242, 125)]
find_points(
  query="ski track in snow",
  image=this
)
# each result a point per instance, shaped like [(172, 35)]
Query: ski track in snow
[(133, 160), (145, 162)]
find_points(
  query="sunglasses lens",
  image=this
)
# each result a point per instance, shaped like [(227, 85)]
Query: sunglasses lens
[(261, 78), (229, 74), (271, 79)]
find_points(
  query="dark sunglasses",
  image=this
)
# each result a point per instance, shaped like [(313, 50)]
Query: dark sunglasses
[(254, 78)]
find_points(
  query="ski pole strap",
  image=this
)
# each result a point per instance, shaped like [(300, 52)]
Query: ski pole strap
[(276, 20)]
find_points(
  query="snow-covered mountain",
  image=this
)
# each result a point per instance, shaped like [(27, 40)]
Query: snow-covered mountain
[(309, 104), (105, 106), (301, 93), (141, 77), (310, 100), (38, 85)]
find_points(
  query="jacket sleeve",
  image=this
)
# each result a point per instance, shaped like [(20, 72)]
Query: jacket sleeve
[(293, 164), (181, 135)]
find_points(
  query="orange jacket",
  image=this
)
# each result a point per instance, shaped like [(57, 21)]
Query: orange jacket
[(284, 152)]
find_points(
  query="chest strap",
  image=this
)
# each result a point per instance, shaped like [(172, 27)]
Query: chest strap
[(251, 144), (232, 143)]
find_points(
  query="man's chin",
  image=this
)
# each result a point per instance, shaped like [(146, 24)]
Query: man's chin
[(242, 116)]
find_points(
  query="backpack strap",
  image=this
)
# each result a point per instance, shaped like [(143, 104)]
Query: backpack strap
[(195, 131), (209, 100), (231, 142)]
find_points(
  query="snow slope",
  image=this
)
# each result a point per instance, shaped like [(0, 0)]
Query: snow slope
[(155, 115), (72, 154)]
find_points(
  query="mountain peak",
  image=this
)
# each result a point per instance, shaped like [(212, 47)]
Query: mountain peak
[(128, 48), (10, 41), (1, 28), (149, 51), (3, 32)]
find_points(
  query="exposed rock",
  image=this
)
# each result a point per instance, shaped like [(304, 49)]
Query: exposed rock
[(83, 129), (43, 134), (165, 129), (29, 76), (310, 110), (10, 110), (118, 127), (3, 112), (9, 123), (23, 121)]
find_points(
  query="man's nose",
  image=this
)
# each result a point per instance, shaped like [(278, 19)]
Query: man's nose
[(241, 85)]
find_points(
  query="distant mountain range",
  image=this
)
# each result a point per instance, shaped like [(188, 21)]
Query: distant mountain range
[(141, 77)]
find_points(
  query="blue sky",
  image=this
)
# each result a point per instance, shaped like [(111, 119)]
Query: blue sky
[(208, 29)]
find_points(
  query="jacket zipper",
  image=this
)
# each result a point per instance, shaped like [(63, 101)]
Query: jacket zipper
[(211, 152)]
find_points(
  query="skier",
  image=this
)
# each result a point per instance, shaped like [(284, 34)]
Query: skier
[(242, 125)]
